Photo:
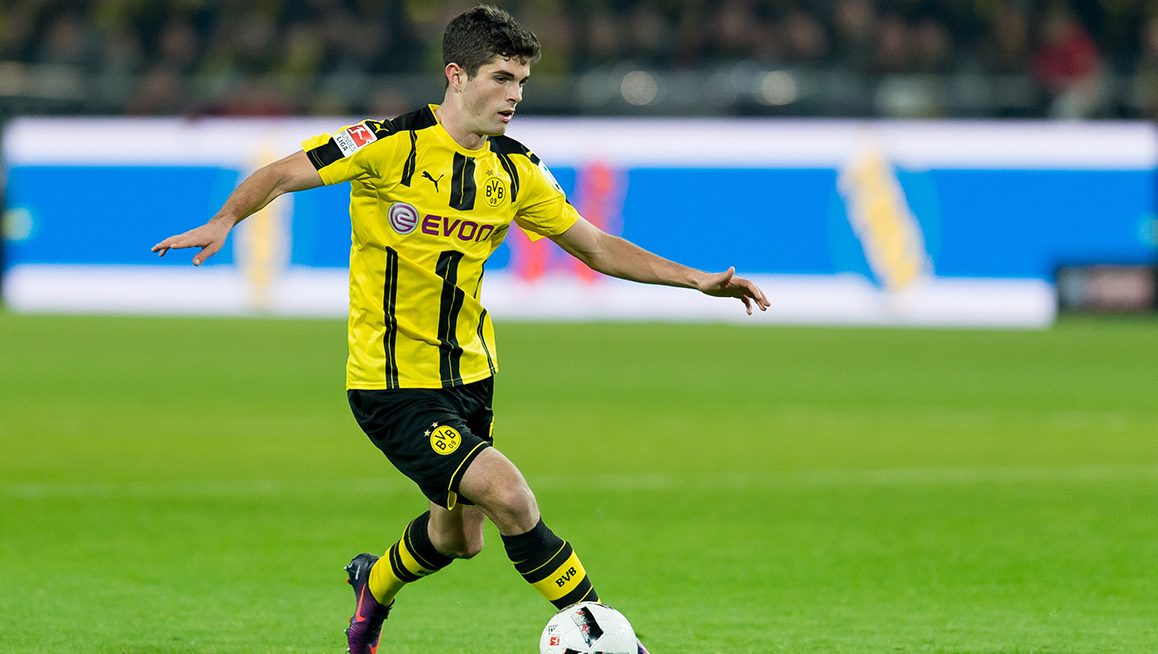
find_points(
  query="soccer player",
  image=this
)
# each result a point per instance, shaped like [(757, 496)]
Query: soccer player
[(433, 193)]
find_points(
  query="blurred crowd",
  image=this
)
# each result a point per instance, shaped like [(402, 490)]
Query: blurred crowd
[(270, 57)]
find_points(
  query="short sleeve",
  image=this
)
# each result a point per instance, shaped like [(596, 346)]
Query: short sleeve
[(544, 209), (352, 152)]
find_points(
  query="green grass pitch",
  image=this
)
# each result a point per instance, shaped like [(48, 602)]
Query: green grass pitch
[(195, 486)]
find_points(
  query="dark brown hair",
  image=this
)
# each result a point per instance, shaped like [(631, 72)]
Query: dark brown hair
[(473, 38)]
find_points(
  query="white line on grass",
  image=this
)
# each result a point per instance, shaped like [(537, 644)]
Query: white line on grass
[(204, 489), (210, 489)]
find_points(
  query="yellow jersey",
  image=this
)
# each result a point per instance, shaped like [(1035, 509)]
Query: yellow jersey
[(426, 215)]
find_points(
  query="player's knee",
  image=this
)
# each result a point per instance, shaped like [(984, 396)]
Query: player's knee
[(463, 545), (456, 544), (467, 549), (515, 506), (495, 484), (513, 499)]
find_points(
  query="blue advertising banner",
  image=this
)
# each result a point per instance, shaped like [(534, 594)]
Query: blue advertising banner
[(890, 218)]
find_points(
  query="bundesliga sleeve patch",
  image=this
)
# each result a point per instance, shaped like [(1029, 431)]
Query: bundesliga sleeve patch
[(549, 176), (354, 138)]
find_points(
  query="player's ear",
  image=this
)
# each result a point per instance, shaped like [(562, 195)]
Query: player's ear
[(455, 76)]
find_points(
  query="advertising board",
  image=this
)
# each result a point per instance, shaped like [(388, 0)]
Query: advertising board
[(846, 222)]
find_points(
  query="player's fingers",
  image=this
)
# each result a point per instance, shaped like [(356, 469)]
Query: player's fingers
[(747, 304), (757, 295), (726, 276), (761, 299), (207, 251), (175, 243), (164, 245)]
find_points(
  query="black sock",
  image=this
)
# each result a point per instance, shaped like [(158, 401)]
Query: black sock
[(549, 564), (410, 559)]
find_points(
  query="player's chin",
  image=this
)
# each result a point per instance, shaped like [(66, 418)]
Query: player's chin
[(502, 120)]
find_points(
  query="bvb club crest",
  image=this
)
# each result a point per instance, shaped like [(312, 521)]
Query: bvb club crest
[(444, 439), (494, 192)]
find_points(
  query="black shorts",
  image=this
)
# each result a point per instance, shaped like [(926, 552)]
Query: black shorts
[(430, 435)]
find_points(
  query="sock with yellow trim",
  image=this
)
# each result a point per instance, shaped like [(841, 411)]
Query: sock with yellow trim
[(410, 559), (549, 564)]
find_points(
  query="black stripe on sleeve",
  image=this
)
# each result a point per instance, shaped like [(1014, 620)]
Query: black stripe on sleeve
[(389, 306), (506, 145), (381, 129), (411, 161), (462, 184), (329, 152), (325, 154), (419, 119), (450, 351)]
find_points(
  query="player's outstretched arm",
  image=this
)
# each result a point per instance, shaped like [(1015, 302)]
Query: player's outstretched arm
[(293, 173), (618, 257)]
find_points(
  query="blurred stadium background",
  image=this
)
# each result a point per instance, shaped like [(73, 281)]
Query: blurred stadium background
[(906, 58), (1058, 101), (988, 167)]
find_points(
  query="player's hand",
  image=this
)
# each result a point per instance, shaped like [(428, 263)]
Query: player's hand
[(727, 284), (209, 237)]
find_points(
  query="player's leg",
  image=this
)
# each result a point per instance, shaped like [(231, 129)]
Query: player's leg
[(431, 436), (546, 561), (412, 557), (429, 543), (378, 580), (457, 533)]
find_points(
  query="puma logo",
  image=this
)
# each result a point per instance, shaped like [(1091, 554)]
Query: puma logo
[(434, 181)]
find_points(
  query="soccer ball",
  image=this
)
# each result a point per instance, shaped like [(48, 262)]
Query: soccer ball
[(588, 628)]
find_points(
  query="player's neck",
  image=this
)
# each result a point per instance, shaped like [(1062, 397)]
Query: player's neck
[(451, 119)]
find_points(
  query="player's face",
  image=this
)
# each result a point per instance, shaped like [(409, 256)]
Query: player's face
[(490, 97)]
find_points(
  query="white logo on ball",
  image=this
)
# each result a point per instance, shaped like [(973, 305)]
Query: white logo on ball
[(403, 217)]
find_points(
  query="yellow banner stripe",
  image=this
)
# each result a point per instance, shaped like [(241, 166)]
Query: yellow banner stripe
[(563, 580)]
